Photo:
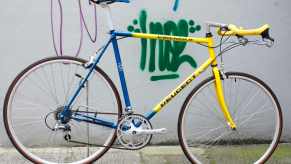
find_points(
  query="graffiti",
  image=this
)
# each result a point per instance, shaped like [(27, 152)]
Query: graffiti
[(170, 53)]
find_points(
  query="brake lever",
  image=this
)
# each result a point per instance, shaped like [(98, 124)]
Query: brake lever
[(244, 41), (269, 42)]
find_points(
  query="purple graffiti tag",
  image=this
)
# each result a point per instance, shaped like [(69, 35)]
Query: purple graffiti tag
[(58, 45)]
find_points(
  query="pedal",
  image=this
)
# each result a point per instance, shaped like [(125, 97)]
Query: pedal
[(152, 131)]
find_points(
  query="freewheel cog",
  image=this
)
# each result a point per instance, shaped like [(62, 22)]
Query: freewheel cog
[(130, 132)]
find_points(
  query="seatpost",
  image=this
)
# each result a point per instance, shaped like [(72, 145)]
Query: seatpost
[(107, 9)]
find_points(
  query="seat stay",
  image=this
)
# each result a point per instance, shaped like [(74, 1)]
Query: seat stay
[(67, 109)]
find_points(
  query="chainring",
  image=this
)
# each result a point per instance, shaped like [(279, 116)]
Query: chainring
[(127, 131)]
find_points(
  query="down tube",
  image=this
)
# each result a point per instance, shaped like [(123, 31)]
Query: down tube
[(176, 91)]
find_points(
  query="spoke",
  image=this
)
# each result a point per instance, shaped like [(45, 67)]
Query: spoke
[(26, 106), (46, 81), (30, 102), (237, 107), (209, 131), (48, 93), (201, 114), (26, 118), (251, 116), (264, 106), (53, 79), (51, 137), (72, 81), (236, 101), (27, 124), (211, 142), (218, 118), (62, 78), (250, 100), (79, 131), (212, 95)]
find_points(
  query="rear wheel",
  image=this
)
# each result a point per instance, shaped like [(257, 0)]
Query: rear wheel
[(40, 92), (206, 138)]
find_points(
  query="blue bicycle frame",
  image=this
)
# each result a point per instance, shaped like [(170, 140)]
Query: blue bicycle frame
[(67, 113)]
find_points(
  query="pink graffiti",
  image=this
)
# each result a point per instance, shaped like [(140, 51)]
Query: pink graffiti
[(58, 37)]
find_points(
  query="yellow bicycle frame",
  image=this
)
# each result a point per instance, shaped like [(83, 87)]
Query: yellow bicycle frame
[(210, 61)]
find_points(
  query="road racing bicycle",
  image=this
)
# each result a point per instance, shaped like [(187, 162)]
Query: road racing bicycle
[(67, 110)]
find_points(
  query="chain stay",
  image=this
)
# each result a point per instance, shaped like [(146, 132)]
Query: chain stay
[(68, 139)]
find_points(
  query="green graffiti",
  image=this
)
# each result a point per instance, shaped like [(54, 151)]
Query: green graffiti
[(170, 53), (163, 77)]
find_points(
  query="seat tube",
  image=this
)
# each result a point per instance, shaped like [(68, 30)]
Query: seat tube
[(121, 73)]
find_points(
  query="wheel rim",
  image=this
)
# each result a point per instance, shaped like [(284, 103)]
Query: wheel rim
[(221, 141), (45, 146)]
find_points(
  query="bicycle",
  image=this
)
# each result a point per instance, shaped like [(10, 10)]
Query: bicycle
[(66, 113)]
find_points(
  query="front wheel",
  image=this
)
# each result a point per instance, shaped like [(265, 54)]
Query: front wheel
[(40, 92), (204, 134)]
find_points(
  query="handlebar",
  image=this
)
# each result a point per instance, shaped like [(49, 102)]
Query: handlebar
[(232, 30)]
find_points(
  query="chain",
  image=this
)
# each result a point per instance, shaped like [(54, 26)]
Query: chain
[(67, 137), (90, 144)]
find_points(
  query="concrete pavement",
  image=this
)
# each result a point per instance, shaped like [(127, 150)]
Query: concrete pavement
[(155, 155), (148, 155)]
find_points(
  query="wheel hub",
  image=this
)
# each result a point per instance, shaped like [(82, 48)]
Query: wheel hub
[(62, 115)]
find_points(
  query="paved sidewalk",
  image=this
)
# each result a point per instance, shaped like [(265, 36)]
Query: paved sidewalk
[(157, 155), (148, 155)]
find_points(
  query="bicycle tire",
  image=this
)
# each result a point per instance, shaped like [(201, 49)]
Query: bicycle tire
[(232, 146), (34, 151)]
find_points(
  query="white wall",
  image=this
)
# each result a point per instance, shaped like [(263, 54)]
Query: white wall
[(25, 37)]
